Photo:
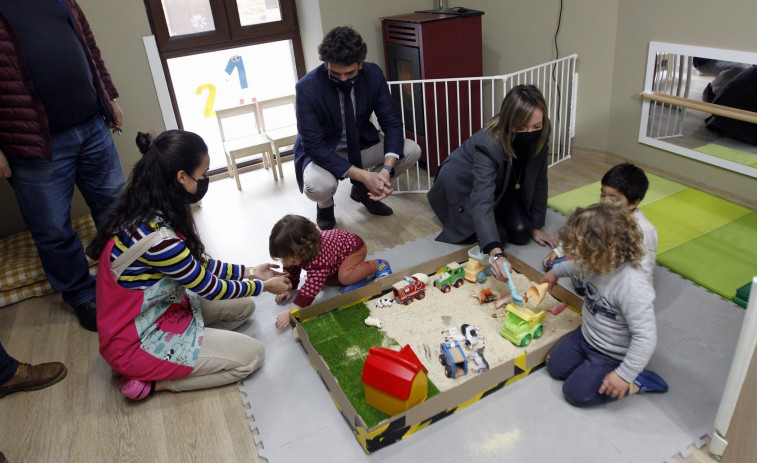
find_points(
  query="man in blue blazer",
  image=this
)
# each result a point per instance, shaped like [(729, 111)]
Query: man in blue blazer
[(335, 141)]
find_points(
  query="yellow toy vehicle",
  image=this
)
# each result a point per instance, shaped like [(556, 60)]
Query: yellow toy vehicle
[(477, 268)]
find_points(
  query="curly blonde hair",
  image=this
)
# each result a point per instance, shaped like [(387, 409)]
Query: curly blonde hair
[(602, 237), (294, 236)]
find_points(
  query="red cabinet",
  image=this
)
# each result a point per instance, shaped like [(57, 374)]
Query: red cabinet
[(436, 46)]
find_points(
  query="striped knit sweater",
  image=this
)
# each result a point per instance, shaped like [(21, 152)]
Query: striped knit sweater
[(170, 257)]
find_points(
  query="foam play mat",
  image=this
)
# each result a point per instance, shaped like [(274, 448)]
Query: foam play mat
[(708, 240)]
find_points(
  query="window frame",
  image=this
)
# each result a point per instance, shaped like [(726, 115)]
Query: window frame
[(228, 33)]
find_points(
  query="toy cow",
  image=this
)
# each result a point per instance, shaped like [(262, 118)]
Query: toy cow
[(384, 303), (471, 335)]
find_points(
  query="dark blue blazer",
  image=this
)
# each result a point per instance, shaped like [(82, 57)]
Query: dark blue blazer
[(319, 119)]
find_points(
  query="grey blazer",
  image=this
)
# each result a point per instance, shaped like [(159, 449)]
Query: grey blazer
[(471, 183)]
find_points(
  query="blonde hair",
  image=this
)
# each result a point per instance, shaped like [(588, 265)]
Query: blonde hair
[(294, 236), (517, 107), (602, 237)]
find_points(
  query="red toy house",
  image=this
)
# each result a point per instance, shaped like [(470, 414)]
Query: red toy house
[(394, 381)]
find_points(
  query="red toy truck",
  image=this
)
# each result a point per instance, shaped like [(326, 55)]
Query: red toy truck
[(410, 287)]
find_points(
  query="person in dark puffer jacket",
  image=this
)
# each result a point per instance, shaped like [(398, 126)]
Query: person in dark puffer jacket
[(57, 102)]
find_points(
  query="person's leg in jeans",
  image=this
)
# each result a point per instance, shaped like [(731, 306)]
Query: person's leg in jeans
[(44, 190), (8, 365), (582, 367), (99, 174)]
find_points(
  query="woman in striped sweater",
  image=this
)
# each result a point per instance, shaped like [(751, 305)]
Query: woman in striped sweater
[(165, 310)]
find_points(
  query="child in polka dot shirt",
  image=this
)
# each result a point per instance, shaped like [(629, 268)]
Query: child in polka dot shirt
[(335, 257)]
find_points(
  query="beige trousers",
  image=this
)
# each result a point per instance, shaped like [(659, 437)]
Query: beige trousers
[(320, 185), (225, 356)]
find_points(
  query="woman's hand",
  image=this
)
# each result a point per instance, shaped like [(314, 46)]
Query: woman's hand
[(498, 269), (544, 238), (266, 271), (284, 297), (277, 285), (614, 386)]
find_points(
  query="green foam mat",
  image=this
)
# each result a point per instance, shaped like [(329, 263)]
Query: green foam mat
[(721, 260), (688, 214), (589, 194), (730, 154)]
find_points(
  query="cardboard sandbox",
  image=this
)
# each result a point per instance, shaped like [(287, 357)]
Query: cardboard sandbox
[(507, 362)]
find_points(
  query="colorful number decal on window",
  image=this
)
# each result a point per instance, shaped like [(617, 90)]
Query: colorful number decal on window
[(208, 112), (236, 62)]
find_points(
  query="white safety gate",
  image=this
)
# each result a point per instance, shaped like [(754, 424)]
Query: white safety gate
[(439, 114)]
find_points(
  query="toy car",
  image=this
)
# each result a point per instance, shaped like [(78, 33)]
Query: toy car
[(477, 268), (451, 276), (409, 287), (453, 358), (521, 325)]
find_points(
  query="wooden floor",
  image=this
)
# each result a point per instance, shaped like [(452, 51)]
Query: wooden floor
[(85, 419)]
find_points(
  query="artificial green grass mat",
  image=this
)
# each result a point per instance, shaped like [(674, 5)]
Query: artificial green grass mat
[(343, 340), (688, 214), (730, 154), (589, 194), (721, 260)]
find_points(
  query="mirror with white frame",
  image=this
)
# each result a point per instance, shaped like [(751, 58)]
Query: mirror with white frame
[(682, 75)]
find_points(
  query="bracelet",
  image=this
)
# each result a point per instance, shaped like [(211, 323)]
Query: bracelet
[(250, 273), (493, 259)]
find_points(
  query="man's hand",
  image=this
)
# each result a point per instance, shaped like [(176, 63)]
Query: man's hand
[(378, 184), (614, 386), (118, 114), (5, 168)]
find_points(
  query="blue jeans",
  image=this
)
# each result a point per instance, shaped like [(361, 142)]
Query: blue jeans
[(8, 366), (83, 155), (582, 367)]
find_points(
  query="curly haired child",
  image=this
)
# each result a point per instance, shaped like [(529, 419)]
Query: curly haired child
[(623, 185), (335, 257), (605, 358)]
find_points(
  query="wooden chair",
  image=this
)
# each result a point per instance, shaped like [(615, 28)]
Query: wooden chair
[(242, 136), (279, 124)]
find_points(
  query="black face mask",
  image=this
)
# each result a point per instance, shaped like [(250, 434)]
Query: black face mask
[(202, 188), (524, 141), (343, 84)]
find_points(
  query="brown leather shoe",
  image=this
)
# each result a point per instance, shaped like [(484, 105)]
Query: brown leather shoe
[(33, 377)]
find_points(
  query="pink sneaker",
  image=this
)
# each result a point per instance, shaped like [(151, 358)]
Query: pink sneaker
[(135, 389)]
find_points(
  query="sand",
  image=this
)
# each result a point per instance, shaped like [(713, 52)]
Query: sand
[(422, 324)]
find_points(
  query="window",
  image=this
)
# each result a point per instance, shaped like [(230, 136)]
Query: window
[(222, 53)]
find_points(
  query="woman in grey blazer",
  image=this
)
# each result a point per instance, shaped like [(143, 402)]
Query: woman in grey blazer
[(493, 188)]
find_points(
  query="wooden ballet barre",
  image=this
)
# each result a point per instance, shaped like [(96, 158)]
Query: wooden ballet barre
[(718, 110)]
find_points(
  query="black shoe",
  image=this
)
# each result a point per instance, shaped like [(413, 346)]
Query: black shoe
[(360, 194), (87, 314), (325, 217)]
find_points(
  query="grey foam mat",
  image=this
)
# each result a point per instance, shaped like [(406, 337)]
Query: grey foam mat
[(297, 420)]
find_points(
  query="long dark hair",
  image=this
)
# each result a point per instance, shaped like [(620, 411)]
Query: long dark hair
[(516, 110), (153, 190)]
